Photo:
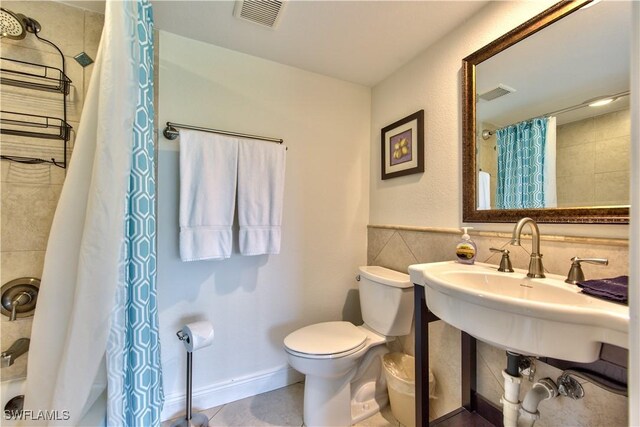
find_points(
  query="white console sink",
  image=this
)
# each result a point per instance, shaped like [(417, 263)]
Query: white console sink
[(538, 317)]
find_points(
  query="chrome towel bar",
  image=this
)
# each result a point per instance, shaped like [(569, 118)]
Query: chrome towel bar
[(171, 132)]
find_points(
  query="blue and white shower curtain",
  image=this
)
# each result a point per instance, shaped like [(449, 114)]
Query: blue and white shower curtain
[(521, 165), (135, 394), (95, 332)]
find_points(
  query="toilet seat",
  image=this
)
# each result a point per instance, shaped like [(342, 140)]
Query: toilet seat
[(327, 340)]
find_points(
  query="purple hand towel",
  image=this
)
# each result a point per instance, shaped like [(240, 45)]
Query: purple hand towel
[(614, 289)]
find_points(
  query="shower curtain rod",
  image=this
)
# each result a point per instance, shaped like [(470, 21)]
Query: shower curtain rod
[(488, 133), (586, 103), (171, 132)]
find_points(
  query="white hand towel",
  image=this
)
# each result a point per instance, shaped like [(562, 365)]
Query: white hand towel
[(261, 170), (484, 190), (208, 171)]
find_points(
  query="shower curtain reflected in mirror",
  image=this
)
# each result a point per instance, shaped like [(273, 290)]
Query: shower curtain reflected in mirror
[(526, 165), (96, 325)]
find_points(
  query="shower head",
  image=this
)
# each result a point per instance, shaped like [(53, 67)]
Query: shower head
[(15, 25), (11, 24)]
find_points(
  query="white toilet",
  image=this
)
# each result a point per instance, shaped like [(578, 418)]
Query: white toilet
[(342, 362)]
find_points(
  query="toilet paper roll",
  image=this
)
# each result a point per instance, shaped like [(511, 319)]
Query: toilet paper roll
[(197, 335)]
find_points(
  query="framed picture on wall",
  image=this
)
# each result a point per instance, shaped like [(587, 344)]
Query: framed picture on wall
[(403, 146)]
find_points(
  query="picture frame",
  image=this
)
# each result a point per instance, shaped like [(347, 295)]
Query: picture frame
[(402, 145)]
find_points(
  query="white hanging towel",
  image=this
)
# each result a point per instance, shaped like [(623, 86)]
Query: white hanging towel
[(261, 170), (208, 171), (484, 190)]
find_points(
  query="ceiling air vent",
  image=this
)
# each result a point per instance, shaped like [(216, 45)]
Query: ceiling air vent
[(262, 12), (497, 92)]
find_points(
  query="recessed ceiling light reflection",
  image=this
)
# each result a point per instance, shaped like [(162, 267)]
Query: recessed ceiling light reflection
[(601, 102)]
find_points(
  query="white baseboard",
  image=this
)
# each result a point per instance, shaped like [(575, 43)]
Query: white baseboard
[(229, 391)]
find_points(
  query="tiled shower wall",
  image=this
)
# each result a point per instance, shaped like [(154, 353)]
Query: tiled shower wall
[(30, 192), (593, 160), (399, 247)]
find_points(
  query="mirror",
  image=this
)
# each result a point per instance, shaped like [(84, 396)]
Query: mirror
[(532, 144)]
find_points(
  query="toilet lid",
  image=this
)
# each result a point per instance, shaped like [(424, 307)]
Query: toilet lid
[(325, 338)]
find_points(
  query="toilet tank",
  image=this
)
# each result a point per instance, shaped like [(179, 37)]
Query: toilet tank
[(386, 300)]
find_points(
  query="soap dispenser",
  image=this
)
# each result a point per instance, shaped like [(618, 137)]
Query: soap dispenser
[(466, 249)]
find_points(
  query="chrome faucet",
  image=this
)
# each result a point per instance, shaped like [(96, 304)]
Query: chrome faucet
[(536, 269), (505, 262), (575, 273), (20, 347)]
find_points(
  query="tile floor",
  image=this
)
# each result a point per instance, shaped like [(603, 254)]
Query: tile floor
[(282, 407)]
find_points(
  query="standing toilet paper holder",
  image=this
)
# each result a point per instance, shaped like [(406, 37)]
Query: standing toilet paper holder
[(190, 419)]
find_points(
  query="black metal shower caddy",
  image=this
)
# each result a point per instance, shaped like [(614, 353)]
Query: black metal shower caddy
[(40, 77)]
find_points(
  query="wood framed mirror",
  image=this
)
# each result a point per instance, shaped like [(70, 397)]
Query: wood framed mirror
[(589, 181)]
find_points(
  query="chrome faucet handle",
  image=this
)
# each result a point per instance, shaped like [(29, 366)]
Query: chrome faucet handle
[(21, 299), (505, 262), (575, 273)]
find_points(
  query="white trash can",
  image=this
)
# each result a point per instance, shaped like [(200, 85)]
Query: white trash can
[(399, 369)]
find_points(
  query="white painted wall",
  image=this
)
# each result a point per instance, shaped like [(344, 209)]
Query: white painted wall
[(432, 81), (254, 302)]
